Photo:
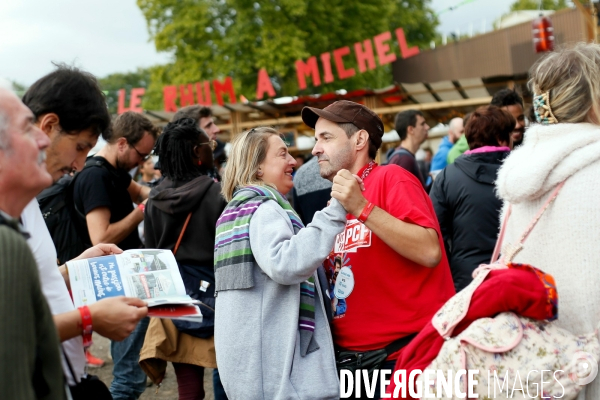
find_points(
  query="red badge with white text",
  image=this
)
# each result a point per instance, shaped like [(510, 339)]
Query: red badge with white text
[(355, 236)]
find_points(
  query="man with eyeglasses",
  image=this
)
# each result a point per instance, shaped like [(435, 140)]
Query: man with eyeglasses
[(104, 194)]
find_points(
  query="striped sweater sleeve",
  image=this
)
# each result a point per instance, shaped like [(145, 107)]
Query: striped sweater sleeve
[(287, 258)]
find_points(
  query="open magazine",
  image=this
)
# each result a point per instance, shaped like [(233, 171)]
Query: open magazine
[(149, 274)]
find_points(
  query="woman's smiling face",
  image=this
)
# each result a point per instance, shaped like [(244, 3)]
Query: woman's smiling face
[(278, 165)]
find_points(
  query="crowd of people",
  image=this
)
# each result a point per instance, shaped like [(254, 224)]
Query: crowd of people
[(344, 276)]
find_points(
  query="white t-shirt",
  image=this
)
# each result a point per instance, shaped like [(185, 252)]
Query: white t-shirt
[(53, 284)]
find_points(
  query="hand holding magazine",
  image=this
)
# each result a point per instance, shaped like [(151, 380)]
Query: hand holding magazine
[(148, 274)]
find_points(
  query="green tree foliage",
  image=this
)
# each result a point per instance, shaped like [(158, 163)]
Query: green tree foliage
[(111, 84), (535, 4), (212, 39)]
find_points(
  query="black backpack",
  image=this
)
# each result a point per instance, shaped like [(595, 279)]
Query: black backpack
[(60, 214)]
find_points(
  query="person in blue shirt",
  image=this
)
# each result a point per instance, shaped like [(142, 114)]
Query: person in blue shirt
[(455, 131)]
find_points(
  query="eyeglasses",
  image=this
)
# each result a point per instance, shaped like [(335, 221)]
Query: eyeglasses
[(211, 143), (144, 157)]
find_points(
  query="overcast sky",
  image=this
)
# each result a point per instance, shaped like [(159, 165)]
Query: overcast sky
[(110, 35)]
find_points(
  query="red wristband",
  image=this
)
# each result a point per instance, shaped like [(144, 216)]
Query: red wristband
[(142, 207), (86, 325), (365, 212)]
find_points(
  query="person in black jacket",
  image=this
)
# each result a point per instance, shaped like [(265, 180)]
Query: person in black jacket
[(186, 157), (463, 195)]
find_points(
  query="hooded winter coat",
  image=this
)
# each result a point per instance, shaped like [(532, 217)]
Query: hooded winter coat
[(566, 239), (468, 211), (168, 206)]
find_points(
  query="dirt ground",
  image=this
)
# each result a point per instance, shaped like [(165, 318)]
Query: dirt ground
[(168, 389)]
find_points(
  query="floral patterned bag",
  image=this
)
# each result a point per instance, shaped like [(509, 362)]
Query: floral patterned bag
[(517, 357)]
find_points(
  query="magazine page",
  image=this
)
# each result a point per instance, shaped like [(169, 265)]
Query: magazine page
[(149, 274)]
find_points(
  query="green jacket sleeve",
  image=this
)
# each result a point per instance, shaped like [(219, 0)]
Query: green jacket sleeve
[(458, 149), (30, 361)]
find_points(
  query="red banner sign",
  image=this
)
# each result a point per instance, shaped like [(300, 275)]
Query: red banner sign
[(364, 53)]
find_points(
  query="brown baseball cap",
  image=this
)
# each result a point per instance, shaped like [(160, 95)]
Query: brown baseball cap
[(344, 111)]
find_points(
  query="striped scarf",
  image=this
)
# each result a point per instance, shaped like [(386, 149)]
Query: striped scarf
[(234, 260)]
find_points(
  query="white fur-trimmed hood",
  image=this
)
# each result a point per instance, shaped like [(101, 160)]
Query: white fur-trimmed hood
[(549, 155)]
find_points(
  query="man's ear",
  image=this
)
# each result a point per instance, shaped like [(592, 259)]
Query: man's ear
[(122, 143), (49, 123), (409, 130), (362, 139)]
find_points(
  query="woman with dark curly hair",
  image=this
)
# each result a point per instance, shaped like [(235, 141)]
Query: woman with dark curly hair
[(186, 200)]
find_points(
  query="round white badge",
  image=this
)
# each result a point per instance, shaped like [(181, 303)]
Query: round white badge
[(344, 283)]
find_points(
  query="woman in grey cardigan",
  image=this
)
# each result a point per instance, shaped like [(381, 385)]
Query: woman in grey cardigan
[(272, 335)]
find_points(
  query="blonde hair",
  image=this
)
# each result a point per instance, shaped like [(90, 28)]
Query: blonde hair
[(571, 76), (248, 151)]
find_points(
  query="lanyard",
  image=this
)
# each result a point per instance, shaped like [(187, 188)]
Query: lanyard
[(370, 166)]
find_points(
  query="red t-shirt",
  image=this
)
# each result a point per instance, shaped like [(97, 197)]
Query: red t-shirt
[(389, 296)]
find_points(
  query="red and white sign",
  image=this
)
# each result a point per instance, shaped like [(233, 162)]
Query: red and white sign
[(364, 53), (355, 235)]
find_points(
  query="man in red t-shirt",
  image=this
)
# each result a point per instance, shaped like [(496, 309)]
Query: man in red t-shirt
[(392, 274)]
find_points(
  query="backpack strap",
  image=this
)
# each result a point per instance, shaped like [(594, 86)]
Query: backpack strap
[(94, 161), (510, 251), (102, 163), (71, 199), (89, 163), (187, 221), (496, 253), (398, 152)]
